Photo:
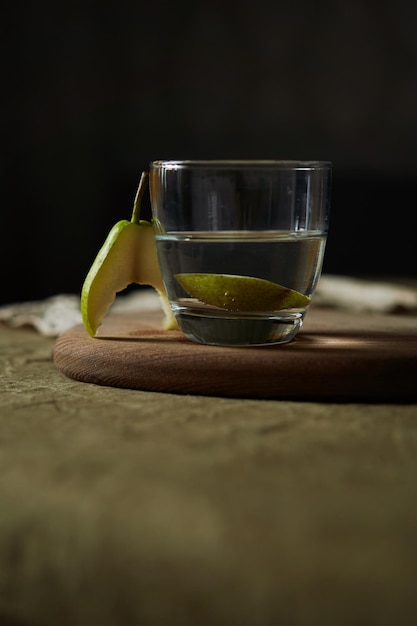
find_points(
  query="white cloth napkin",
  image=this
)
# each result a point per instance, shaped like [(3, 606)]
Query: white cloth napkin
[(54, 315), (357, 294)]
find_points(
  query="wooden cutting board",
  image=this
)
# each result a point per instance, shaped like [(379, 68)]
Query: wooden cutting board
[(337, 356)]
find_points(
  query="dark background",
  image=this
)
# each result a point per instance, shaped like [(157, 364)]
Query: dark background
[(93, 91)]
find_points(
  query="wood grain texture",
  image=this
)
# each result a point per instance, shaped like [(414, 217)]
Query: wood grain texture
[(337, 356)]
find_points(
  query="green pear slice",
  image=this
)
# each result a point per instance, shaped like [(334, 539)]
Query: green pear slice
[(127, 256), (241, 293)]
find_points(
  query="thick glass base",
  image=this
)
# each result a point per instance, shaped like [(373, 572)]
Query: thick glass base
[(238, 330)]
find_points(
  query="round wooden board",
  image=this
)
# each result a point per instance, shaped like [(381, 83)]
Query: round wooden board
[(337, 356)]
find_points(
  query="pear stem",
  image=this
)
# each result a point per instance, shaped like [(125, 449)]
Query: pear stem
[(143, 184)]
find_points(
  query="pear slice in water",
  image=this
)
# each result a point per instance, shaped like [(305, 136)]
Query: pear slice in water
[(127, 256), (241, 293)]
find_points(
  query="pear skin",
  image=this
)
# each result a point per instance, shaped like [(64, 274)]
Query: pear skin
[(241, 293), (127, 256)]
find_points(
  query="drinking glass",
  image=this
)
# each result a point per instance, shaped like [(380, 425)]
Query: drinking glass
[(240, 245)]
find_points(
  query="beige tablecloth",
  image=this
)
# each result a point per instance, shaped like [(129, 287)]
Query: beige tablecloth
[(122, 507)]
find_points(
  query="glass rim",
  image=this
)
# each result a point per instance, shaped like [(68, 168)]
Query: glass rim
[(287, 164)]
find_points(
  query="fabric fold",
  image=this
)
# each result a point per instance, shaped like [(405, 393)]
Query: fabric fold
[(58, 313)]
